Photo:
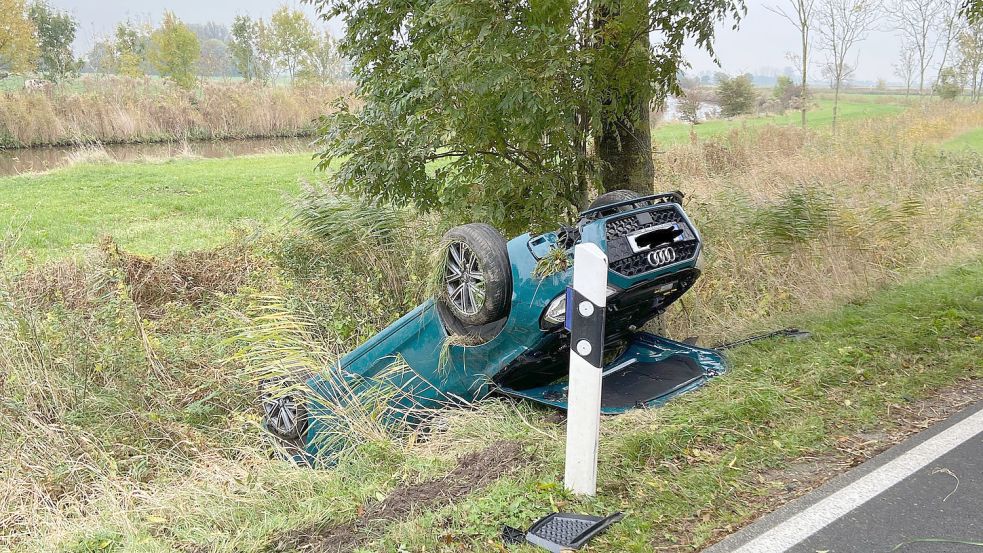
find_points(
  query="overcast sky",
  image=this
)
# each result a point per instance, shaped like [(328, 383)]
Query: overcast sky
[(759, 46)]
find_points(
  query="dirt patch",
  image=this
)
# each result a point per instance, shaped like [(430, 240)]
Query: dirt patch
[(808, 473), (473, 471)]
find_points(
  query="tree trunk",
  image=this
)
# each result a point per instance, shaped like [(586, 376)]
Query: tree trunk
[(624, 143), (624, 147), (805, 66)]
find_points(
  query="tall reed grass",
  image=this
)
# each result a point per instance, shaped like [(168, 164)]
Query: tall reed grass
[(799, 220), (123, 110)]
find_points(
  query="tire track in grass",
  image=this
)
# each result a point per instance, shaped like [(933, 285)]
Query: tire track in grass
[(473, 471)]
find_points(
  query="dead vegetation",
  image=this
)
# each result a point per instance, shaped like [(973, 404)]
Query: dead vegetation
[(125, 110), (796, 220), (151, 283), (188, 277)]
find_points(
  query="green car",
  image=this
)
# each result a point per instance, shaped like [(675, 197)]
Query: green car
[(498, 326)]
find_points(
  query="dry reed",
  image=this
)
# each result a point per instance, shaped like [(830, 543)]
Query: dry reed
[(122, 110)]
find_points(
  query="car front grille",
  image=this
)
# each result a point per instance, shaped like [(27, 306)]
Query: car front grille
[(624, 226), (624, 261)]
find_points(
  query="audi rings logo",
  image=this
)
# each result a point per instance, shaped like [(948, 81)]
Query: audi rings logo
[(662, 256)]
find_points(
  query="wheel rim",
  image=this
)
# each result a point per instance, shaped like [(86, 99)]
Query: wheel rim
[(465, 281), (281, 412)]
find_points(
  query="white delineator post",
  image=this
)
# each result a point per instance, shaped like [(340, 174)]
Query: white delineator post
[(586, 301)]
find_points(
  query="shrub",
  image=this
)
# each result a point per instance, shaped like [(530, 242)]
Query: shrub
[(736, 95), (949, 86), (787, 93)]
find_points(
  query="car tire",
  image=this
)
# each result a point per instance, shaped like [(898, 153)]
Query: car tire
[(476, 283), (284, 416), (613, 197)]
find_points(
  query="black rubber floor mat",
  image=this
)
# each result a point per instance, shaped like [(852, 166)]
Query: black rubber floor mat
[(643, 382), (563, 531)]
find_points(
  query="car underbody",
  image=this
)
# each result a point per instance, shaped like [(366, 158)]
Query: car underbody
[(496, 326)]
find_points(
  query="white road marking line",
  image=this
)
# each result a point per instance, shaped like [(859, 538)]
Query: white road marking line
[(806, 523)]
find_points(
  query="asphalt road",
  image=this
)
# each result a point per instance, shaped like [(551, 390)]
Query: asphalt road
[(922, 496)]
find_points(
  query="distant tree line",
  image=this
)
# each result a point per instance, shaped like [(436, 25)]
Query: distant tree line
[(942, 53), (37, 38)]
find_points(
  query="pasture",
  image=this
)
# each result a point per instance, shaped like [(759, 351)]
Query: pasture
[(852, 107)]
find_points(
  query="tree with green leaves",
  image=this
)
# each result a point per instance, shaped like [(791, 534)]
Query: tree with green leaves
[(175, 51), (129, 49), (970, 44), (949, 85), (242, 46), (972, 10), (736, 95), (293, 38), (18, 38), (56, 32), (266, 52), (508, 112), (322, 63)]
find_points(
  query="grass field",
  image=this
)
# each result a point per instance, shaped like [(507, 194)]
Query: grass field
[(128, 413), (851, 108), (972, 140), (152, 208)]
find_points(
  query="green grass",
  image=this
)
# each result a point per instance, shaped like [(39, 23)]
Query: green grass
[(851, 108), (686, 472), (189, 470), (681, 474), (151, 208), (972, 140)]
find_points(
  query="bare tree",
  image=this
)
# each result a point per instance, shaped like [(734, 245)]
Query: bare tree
[(918, 21), (970, 43), (800, 14), (950, 24), (841, 25), (905, 68)]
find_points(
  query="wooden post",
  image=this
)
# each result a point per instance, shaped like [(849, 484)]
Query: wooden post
[(586, 301)]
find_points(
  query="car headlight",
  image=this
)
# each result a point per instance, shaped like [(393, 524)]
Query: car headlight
[(556, 311)]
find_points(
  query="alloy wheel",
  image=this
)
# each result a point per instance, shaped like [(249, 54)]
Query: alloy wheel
[(464, 278)]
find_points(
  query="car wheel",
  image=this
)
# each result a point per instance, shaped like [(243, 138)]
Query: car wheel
[(284, 415), (614, 197), (477, 277)]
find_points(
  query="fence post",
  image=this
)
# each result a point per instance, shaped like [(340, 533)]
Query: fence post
[(586, 301)]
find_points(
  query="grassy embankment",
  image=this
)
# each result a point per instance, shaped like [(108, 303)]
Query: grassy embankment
[(121, 110), (132, 427)]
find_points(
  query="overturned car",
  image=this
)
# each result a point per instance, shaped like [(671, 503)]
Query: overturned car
[(497, 324)]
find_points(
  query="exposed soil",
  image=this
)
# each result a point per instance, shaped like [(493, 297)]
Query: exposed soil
[(473, 471), (809, 473)]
